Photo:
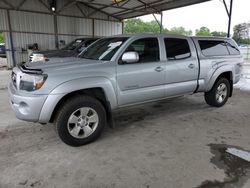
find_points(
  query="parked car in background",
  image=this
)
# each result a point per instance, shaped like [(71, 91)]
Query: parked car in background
[(70, 50), (2, 50), (79, 95)]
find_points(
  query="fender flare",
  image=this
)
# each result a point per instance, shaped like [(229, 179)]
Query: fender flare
[(75, 85), (217, 73)]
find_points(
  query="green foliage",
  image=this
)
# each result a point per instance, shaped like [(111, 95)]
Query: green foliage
[(179, 31), (241, 33), (136, 25), (219, 34), (203, 31), (1, 38)]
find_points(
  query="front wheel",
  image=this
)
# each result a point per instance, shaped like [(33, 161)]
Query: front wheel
[(219, 94), (80, 121)]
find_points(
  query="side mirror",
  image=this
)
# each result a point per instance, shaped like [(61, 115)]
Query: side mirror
[(130, 57)]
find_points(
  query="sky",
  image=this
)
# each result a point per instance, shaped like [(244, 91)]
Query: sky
[(211, 14)]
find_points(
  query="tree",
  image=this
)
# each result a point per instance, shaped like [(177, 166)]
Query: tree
[(1, 38), (203, 31), (179, 31), (219, 34), (136, 25), (241, 33)]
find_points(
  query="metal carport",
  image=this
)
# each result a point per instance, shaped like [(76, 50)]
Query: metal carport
[(46, 22)]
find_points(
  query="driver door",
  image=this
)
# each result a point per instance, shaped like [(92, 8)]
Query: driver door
[(143, 80)]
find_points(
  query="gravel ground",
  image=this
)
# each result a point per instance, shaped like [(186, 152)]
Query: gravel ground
[(164, 144)]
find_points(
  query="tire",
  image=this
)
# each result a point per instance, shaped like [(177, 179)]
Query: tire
[(218, 96), (80, 121)]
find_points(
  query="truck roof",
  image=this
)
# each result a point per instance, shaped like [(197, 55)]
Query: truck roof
[(169, 35)]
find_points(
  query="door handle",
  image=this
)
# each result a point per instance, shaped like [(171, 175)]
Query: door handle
[(159, 69), (191, 66)]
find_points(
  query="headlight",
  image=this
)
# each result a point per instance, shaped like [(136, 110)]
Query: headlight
[(30, 82), (38, 57)]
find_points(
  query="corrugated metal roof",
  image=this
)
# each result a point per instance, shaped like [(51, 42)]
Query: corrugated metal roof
[(133, 8), (105, 9)]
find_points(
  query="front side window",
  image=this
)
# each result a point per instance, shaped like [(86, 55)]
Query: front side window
[(177, 48), (147, 48), (213, 47), (104, 49)]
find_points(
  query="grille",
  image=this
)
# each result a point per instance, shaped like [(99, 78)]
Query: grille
[(13, 78)]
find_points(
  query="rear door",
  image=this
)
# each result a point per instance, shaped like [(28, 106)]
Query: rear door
[(182, 66), (144, 80)]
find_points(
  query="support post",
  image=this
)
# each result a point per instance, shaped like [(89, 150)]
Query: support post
[(56, 31), (161, 26), (93, 28), (11, 40), (122, 26), (159, 23), (229, 13), (230, 16)]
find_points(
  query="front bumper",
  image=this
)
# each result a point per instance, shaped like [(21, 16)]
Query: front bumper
[(26, 107)]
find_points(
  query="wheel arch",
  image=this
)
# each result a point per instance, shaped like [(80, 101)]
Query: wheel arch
[(228, 74), (96, 92), (100, 88)]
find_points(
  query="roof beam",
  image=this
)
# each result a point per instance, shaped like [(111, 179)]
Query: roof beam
[(226, 7), (138, 7), (9, 4), (146, 5), (20, 4), (124, 3), (158, 5), (111, 6), (69, 3), (45, 5), (106, 6), (94, 8), (80, 9)]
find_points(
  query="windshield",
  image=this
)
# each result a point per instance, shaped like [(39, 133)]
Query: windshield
[(72, 45), (104, 49)]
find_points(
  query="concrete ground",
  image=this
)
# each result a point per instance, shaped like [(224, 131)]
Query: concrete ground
[(3, 62), (164, 144)]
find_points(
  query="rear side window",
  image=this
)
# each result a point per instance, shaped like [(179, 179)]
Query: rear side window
[(233, 50), (177, 48), (213, 47)]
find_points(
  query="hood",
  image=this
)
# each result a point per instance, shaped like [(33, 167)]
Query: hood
[(63, 64), (57, 53)]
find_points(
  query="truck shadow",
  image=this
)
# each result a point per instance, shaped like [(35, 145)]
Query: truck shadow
[(162, 109)]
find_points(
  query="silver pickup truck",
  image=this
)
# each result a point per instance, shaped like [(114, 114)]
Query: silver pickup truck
[(79, 94)]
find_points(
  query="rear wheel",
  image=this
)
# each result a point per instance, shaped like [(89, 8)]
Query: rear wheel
[(219, 94), (80, 121)]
